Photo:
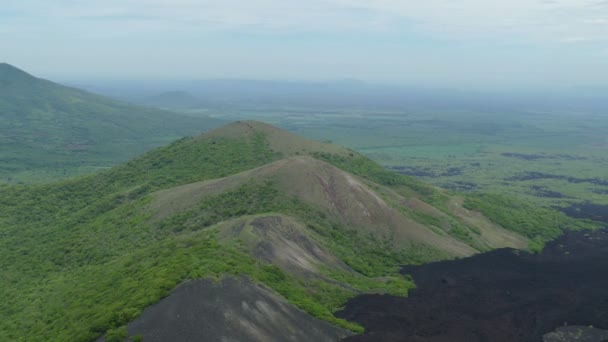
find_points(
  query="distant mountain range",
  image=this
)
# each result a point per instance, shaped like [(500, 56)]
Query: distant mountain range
[(48, 130), (291, 228), (243, 93)]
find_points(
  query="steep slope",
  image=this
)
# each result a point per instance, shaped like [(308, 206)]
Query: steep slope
[(337, 193), (283, 241), (381, 212), (314, 222), (47, 129)]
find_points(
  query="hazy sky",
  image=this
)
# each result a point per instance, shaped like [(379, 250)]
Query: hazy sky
[(460, 43)]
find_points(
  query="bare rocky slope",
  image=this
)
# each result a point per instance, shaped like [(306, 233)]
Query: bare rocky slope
[(229, 310)]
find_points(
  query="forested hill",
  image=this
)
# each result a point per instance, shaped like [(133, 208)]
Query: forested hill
[(313, 222), (50, 131)]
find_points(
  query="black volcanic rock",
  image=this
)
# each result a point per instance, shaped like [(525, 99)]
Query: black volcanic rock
[(576, 334), (501, 296)]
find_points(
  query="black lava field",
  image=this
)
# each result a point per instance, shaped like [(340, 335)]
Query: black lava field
[(504, 295)]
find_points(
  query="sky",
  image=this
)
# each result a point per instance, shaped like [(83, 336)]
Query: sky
[(430, 43)]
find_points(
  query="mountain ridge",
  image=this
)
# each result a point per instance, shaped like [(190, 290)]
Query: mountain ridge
[(53, 131), (10, 73), (314, 222)]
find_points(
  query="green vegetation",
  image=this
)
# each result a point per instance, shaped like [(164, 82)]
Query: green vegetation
[(369, 256), (80, 257), (97, 273), (48, 131), (366, 168), (464, 150), (186, 160), (83, 257), (539, 224), (79, 234)]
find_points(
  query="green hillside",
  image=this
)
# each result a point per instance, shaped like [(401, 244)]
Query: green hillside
[(315, 222), (50, 131)]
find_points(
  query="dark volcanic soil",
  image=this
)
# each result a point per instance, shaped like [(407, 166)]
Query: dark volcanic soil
[(577, 334), (460, 186), (231, 310), (413, 171), (596, 212), (532, 175), (543, 191), (499, 296), (525, 156)]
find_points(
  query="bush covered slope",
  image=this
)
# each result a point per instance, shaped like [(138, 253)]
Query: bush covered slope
[(51, 131), (315, 222)]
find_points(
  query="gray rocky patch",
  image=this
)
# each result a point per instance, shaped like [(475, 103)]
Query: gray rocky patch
[(233, 309)]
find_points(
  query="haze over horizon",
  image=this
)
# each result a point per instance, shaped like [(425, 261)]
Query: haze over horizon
[(471, 44)]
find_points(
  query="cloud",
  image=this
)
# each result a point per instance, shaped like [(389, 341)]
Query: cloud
[(574, 40), (526, 20), (393, 39), (523, 20)]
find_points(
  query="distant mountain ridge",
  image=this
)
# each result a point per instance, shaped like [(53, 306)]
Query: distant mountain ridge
[(333, 94), (50, 129), (173, 99)]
